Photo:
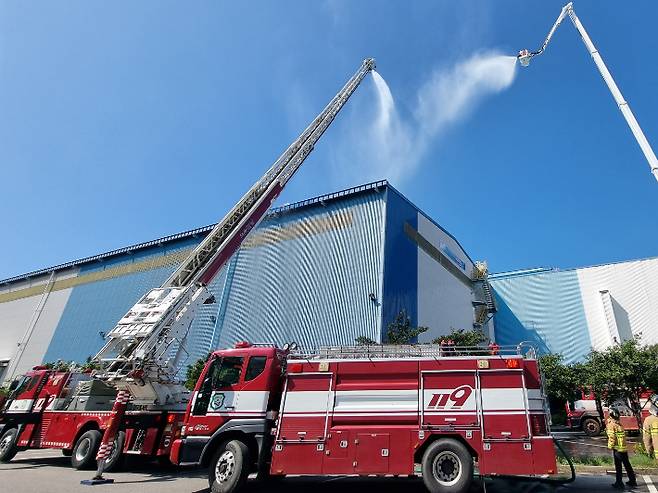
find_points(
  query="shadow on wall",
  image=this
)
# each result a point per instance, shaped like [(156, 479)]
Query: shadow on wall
[(622, 320), (510, 330)]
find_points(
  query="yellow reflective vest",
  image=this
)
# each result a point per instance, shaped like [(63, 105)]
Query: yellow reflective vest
[(650, 435), (616, 436)]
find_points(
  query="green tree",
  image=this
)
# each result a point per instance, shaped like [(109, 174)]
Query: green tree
[(60, 365), (400, 330), (365, 341), (461, 337), (193, 372), (560, 380), (624, 371)]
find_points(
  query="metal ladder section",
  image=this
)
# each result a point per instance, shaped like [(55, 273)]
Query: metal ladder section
[(36, 314), (162, 318), (379, 351), (281, 171)]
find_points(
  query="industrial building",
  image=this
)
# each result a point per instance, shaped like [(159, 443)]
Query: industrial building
[(319, 272), (574, 311)]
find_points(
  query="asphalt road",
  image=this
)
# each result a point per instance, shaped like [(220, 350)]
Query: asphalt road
[(41, 471)]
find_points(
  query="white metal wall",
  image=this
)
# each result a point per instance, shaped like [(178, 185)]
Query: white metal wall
[(444, 301), (27, 324), (632, 288)]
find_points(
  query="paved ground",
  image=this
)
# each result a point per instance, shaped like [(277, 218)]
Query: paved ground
[(578, 444), (41, 471)]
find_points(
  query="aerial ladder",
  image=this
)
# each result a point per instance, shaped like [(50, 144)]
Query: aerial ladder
[(144, 352), (525, 56)]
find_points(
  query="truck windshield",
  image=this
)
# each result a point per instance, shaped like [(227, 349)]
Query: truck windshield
[(225, 372), (18, 386)]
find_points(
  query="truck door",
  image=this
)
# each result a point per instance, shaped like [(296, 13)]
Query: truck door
[(305, 408), (504, 408), (507, 448), (220, 390)]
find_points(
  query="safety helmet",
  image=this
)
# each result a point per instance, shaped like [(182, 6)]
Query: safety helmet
[(614, 413)]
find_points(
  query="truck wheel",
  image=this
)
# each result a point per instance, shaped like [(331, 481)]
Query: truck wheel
[(591, 427), (8, 448), (229, 467), (113, 462), (84, 450), (447, 467)]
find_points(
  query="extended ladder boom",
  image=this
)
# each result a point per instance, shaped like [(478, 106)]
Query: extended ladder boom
[(144, 351), (525, 56)]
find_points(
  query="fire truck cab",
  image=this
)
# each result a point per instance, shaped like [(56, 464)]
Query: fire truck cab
[(368, 410)]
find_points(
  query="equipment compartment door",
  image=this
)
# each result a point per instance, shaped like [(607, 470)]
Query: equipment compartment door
[(372, 453), (504, 409), (305, 407), (449, 399)]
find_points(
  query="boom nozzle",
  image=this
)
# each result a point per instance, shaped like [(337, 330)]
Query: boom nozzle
[(369, 64), (524, 57)]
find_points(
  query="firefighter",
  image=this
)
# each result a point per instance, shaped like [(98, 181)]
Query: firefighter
[(617, 443), (650, 428)]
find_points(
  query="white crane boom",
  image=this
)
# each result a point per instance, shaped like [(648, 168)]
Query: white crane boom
[(143, 352), (525, 56)]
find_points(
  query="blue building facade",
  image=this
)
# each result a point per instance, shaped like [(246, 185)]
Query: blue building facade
[(320, 272)]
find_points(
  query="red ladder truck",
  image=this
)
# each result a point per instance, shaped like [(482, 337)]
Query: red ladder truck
[(364, 410), (142, 358), (68, 410)]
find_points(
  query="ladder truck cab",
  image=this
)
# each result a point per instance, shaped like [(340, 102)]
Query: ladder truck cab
[(368, 410), (69, 410)]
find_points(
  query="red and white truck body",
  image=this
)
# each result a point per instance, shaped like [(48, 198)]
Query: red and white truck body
[(41, 409), (345, 413)]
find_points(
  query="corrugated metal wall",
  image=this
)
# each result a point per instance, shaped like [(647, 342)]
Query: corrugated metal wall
[(544, 308), (571, 312), (105, 293), (307, 276)]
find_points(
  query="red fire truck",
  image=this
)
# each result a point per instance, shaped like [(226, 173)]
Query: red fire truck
[(70, 410), (362, 410)]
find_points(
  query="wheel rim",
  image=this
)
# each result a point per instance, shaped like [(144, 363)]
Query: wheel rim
[(447, 468), (5, 443), (225, 467), (82, 450), (590, 426)]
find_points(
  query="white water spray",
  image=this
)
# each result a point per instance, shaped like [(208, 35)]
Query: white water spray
[(394, 147)]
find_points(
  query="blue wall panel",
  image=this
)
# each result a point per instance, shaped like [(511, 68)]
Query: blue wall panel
[(545, 308), (95, 307), (400, 291)]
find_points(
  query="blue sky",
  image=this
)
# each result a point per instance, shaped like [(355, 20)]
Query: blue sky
[(124, 121)]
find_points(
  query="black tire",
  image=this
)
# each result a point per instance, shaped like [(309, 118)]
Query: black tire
[(66, 452), (591, 427), (447, 467), (115, 460), (229, 467), (8, 448), (84, 451)]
